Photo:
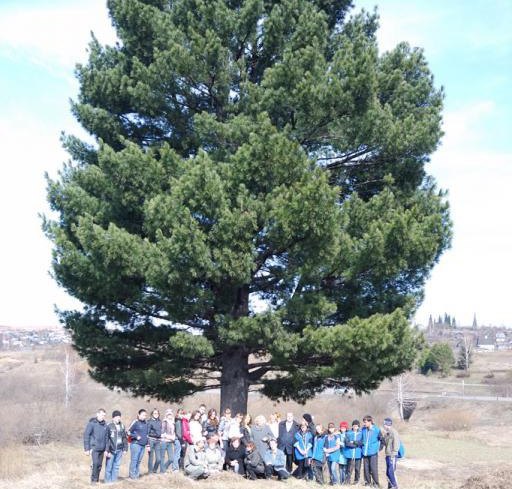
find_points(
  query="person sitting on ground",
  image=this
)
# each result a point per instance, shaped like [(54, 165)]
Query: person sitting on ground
[(275, 461), (214, 455), (390, 441), (195, 463), (254, 465), (95, 443), (235, 456)]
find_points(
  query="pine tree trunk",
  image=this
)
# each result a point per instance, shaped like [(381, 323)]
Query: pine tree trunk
[(234, 381)]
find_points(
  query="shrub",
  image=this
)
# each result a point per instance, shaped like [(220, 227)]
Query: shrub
[(453, 420)]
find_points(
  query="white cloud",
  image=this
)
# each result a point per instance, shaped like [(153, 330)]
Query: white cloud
[(54, 36)]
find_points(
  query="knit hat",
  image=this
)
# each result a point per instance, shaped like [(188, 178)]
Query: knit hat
[(344, 424), (169, 411), (308, 418), (116, 413), (356, 422), (388, 421)]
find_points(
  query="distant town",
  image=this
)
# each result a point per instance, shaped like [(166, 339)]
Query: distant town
[(442, 328), (23, 339), (482, 337)]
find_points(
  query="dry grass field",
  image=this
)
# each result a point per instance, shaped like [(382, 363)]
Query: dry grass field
[(450, 443)]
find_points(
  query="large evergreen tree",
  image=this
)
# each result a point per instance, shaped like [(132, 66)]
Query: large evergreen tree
[(256, 212)]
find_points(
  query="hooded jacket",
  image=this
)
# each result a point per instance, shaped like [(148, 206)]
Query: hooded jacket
[(95, 435)]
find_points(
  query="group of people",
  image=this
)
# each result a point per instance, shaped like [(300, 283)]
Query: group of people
[(202, 444)]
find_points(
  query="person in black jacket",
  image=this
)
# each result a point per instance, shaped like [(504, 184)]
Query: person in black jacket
[(254, 465), (154, 437), (95, 443), (287, 430), (235, 455), (117, 444)]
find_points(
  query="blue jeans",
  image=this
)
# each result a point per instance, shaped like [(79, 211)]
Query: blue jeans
[(154, 455), (112, 466), (390, 471), (343, 473), (173, 450), (333, 472), (136, 454)]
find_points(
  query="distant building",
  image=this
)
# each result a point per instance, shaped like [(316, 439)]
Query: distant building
[(486, 341)]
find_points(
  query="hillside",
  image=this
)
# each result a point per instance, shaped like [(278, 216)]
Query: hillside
[(448, 440)]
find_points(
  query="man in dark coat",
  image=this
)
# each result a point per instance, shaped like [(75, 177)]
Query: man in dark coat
[(287, 430), (95, 443)]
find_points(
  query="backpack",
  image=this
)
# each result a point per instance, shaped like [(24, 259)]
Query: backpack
[(401, 451)]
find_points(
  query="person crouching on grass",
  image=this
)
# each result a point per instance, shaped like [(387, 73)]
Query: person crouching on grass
[(196, 465), (254, 465), (390, 441), (275, 461), (371, 446), (235, 456), (117, 444), (214, 455), (95, 443)]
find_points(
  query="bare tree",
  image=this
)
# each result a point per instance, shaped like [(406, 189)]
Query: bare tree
[(69, 371), (403, 395), (465, 352)]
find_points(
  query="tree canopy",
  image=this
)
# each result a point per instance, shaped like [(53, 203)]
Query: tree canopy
[(255, 212)]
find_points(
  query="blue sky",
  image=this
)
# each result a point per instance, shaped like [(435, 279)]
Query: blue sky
[(469, 48)]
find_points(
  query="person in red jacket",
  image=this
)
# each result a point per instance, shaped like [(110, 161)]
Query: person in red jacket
[(183, 433)]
